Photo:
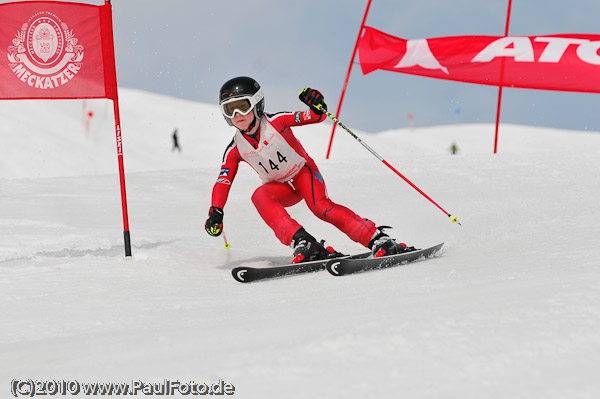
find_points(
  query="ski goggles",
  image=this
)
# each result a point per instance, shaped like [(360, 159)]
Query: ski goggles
[(243, 105)]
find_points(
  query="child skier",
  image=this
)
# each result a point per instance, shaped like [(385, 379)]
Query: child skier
[(288, 173)]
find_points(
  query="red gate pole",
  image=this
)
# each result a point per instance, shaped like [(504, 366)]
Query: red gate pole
[(337, 114), (126, 235), (110, 75), (501, 81)]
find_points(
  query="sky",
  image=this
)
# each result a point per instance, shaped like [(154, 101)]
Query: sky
[(189, 48)]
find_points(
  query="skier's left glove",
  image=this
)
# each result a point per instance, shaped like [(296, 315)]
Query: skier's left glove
[(314, 99), (214, 223)]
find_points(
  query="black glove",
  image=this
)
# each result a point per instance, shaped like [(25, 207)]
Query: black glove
[(314, 99), (214, 223)]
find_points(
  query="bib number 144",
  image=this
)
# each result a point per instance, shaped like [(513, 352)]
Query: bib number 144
[(273, 165)]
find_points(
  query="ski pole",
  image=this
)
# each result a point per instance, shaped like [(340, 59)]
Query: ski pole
[(226, 244), (453, 219)]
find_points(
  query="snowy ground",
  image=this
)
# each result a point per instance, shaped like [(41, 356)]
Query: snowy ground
[(511, 309)]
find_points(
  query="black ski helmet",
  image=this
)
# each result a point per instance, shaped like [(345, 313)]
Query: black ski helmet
[(240, 87)]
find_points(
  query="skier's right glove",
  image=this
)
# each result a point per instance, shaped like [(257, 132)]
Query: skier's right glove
[(214, 223), (314, 99)]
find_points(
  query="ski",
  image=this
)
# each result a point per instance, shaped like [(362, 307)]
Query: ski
[(341, 267), (245, 274)]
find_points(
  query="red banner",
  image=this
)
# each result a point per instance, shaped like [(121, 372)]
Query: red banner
[(52, 49), (568, 62)]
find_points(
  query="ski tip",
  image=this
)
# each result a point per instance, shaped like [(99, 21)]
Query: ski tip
[(332, 266), (238, 274)]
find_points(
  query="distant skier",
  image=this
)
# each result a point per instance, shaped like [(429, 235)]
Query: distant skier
[(288, 173), (90, 115), (453, 148), (175, 142)]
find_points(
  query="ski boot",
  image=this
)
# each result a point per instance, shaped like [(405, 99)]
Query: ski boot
[(306, 248), (383, 245)]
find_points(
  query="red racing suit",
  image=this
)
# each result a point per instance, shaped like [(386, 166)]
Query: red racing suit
[(289, 175)]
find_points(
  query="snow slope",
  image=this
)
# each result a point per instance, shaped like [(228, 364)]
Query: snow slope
[(511, 309)]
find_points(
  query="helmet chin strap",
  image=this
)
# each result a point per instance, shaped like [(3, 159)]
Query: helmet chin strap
[(251, 126)]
